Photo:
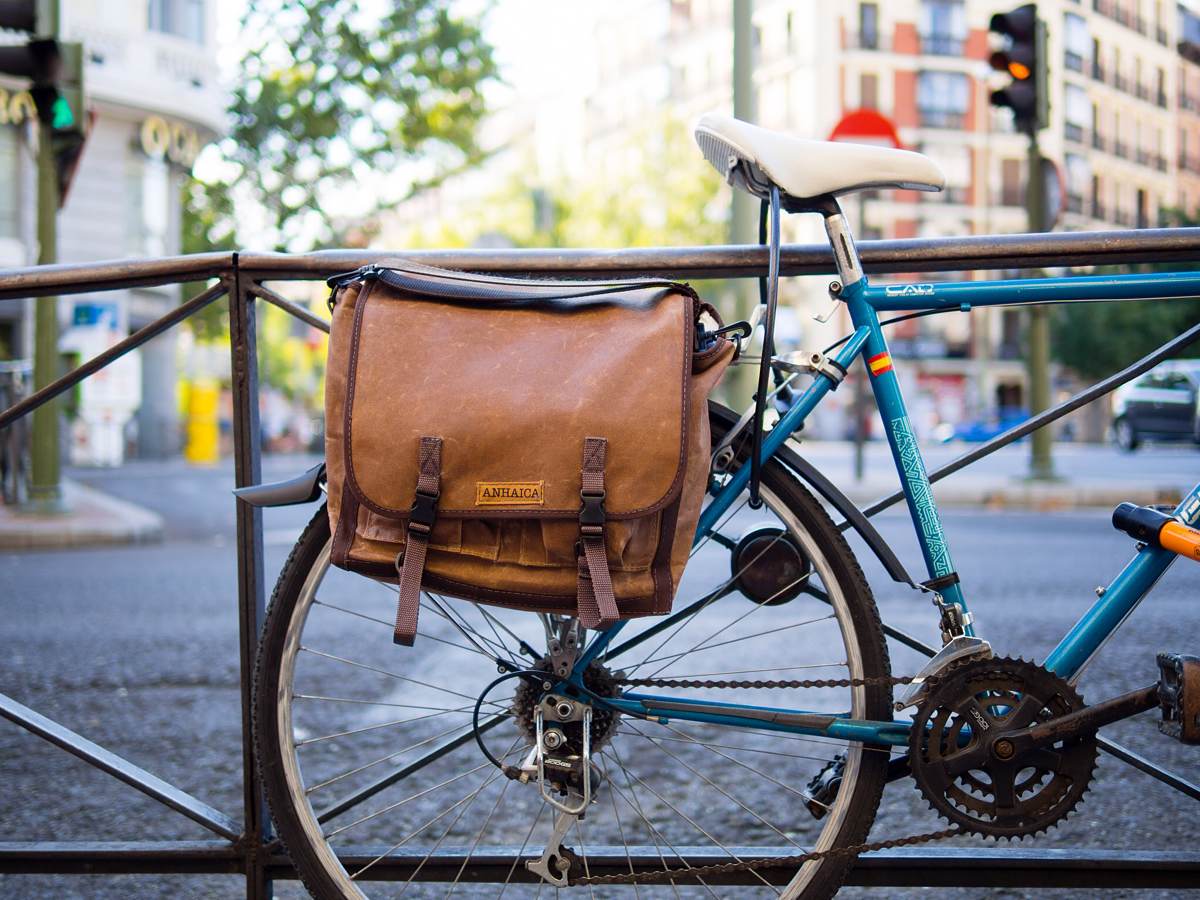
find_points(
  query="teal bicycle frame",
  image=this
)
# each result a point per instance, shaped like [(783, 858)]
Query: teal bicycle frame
[(864, 302)]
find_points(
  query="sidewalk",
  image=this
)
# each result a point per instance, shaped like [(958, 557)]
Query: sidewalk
[(94, 519), (1089, 476)]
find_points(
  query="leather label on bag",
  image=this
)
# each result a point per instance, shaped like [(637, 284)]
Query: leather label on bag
[(510, 493)]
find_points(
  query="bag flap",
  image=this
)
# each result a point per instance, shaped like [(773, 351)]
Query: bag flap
[(513, 378)]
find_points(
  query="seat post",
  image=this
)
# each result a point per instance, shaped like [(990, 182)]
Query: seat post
[(845, 254)]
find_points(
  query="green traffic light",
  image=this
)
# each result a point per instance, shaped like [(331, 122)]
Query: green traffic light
[(62, 117)]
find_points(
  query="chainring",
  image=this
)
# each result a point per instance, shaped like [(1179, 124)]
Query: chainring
[(963, 712)]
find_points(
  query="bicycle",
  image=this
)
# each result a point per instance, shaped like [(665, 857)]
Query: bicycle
[(439, 762)]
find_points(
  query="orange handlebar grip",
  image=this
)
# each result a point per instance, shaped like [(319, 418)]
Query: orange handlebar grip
[(1178, 538)]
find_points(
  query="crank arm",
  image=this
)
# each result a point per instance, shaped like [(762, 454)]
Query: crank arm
[(1082, 722)]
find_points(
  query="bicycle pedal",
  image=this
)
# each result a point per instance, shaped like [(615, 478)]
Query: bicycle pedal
[(1179, 696)]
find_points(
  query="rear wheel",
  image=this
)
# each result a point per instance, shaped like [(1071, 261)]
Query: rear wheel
[(372, 772)]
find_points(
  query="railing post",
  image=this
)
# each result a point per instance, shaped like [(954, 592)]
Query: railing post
[(243, 348)]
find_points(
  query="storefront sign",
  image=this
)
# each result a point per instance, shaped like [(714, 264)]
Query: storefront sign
[(174, 141), (16, 107)]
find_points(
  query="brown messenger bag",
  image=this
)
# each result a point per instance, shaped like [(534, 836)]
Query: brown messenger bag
[(530, 444)]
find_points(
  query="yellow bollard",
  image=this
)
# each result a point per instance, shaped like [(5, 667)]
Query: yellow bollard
[(203, 429)]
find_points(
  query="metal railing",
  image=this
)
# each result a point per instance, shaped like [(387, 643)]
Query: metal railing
[(243, 843)]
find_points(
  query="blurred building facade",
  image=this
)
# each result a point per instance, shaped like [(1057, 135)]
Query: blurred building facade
[(153, 101), (1124, 135)]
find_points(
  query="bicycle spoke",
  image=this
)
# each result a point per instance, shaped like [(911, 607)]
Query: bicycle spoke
[(389, 674), (479, 835), (675, 809), (716, 594), (432, 850), (718, 788), (708, 744), (392, 724), (655, 832), (525, 843), (382, 759), (330, 835), (698, 649)]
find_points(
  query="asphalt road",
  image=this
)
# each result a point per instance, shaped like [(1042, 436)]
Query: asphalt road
[(136, 649)]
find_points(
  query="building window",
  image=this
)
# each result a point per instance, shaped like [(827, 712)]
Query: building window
[(10, 181), (868, 90), (147, 209), (1012, 188), (182, 18), (1079, 180), (943, 27), (1076, 42), (868, 26), (1078, 116), (942, 99)]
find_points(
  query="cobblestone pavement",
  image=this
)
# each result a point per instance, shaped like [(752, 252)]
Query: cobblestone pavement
[(135, 647)]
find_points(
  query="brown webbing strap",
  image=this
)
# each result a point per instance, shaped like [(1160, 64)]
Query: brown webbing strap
[(596, 603), (410, 564)]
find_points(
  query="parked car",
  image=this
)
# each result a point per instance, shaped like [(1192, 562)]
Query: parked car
[(1162, 405), (979, 430)]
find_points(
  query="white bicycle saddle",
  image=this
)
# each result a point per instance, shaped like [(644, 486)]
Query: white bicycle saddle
[(751, 158)]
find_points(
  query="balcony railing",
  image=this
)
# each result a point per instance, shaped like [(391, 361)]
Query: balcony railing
[(1160, 34), (1076, 133), (942, 118), (1098, 71), (1073, 61), (1099, 142), (866, 40), (1074, 203), (1121, 149), (942, 44)]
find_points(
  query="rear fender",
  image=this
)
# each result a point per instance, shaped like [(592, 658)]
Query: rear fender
[(305, 488)]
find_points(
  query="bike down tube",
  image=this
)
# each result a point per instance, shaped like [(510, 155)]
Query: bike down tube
[(861, 300), (1118, 600), (725, 495)]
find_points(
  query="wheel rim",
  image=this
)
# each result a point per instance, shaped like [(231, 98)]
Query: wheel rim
[(309, 785)]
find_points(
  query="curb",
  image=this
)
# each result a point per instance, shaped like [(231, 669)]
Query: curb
[(95, 519)]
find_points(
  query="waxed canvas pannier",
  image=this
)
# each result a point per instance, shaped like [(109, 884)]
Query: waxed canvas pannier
[(541, 445)]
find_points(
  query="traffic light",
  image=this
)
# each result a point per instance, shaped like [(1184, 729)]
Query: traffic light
[(55, 70), (1022, 57)]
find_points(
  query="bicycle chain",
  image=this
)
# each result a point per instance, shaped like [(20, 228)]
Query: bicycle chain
[(799, 859)]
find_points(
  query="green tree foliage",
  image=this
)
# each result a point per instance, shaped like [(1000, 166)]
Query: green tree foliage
[(330, 102), (1097, 339)]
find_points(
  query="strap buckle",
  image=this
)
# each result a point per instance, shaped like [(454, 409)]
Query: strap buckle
[(592, 515), (424, 512)]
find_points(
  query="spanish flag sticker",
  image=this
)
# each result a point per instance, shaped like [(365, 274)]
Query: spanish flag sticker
[(880, 364)]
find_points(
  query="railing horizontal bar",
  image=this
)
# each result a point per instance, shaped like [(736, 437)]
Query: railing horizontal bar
[(288, 306), (1005, 251), (119, 857), (116, 351), (111, 275), (979, 252), (119, 767), (937, 866), (940, 867), (1084, 397)]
